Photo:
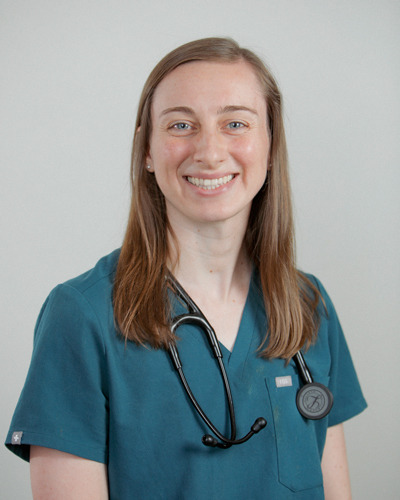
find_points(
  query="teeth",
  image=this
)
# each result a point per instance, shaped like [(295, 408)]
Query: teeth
[(210, 183)]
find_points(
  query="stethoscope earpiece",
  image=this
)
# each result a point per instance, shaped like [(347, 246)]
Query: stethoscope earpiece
[(209, 440), (258, 425)]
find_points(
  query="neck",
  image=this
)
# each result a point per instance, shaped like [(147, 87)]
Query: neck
[(210, 258)]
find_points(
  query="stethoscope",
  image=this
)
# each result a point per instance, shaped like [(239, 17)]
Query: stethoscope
[(313, 400)]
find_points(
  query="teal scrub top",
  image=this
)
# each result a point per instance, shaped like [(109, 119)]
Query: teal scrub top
[(90, 393)]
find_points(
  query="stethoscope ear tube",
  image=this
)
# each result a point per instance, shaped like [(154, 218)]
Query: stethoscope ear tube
[(258, 425), (194, 315), (178, 366), (207, 439)]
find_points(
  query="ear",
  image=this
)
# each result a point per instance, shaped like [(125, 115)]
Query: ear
[(149, 163)]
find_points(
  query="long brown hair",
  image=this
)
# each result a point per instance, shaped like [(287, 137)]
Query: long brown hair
[(140, 290)]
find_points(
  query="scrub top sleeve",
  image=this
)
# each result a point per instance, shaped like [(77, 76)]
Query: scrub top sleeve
[(64, 403), (344, 385)]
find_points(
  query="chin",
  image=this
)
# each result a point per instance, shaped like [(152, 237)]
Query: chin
[(219, 218)]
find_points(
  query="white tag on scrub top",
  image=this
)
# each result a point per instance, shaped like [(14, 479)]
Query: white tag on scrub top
[(16, 437), (283, 381)]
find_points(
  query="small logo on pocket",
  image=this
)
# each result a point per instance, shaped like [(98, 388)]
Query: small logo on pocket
[(283, 381)]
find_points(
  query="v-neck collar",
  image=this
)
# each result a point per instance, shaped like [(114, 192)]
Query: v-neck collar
[(243, 342), (235, 358)]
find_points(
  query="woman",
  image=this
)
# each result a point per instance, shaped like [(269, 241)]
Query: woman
[(103, 413)]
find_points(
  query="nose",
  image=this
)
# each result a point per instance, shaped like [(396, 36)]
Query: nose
[(210, 148)]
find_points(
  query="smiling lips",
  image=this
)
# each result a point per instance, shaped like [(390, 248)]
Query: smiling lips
[(210, 183)]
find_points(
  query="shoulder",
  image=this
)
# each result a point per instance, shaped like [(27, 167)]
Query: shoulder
[(330, 343), (100, 276), (94, 286), (84, 302), (325, 306), (330, 356), (330, 334)]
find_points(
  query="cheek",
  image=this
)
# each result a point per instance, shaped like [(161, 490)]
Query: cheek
[(250, 152), (172, 151)]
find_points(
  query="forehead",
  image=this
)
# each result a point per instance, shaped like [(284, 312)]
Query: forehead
[(202, 83)]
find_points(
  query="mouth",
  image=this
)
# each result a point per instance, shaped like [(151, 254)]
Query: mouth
[(210, 183)]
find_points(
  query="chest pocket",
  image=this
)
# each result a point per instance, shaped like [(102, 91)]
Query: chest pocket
[(298, 440)]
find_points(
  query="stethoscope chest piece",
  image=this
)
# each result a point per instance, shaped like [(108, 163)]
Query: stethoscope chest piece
[(314, 401)]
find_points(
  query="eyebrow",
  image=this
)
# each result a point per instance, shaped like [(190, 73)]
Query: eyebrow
[(178, 109), (229, 109), (221, 111)]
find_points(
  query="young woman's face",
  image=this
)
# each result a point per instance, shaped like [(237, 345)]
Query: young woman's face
[(209, 146)]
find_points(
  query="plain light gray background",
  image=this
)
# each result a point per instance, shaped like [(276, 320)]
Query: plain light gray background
[(71, 74)]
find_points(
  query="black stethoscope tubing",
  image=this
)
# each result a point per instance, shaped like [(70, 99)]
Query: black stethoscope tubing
[(194, 315), (188, 318), (307, 397)]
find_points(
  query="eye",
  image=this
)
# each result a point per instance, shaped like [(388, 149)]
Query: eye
[(180, 126), (236, 125)]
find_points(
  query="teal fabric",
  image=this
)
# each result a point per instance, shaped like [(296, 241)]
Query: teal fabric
[(90, 394)]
